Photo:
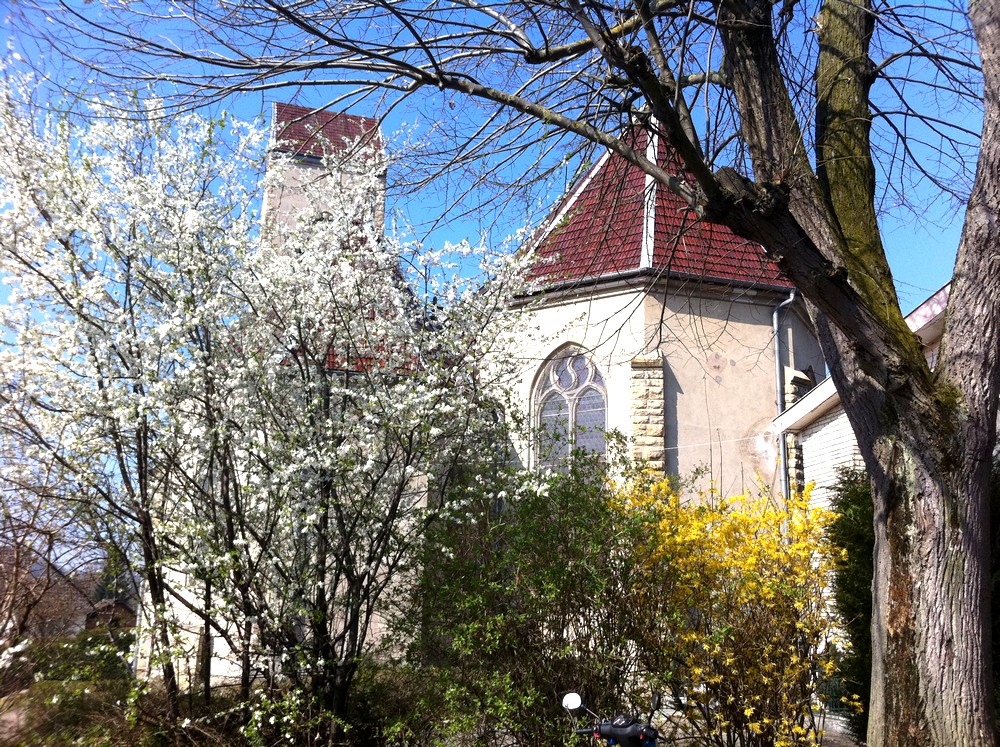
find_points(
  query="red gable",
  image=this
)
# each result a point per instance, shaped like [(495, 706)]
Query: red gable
[(600, 230), (303, 131)]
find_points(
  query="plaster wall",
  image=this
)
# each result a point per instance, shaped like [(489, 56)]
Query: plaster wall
[(288, 178), (690, 374), (187, 637), (607, 325), (719, 380)]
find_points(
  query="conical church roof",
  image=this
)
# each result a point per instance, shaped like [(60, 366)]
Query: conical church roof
[(618, 222)]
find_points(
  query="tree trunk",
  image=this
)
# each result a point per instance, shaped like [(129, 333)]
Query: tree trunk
[(205, 648), (931, 675), (931, 468), (153, 576), (927, 437)]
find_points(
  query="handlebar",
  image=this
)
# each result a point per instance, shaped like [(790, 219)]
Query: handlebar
[(623, 730)]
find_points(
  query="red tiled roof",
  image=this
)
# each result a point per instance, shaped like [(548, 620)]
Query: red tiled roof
[(304, 131), (377, 358), (598, 233), (684, 245)]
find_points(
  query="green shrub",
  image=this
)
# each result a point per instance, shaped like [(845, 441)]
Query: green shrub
[(16, 669), (542, 584), (397, 704), (91, 655), (519, 603), (77, 690), (853, 530)]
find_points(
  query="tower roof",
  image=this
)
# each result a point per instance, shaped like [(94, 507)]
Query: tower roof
[(304, 131), (618, 221)]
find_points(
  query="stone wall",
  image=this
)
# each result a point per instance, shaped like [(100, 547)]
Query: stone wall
[(647, 409)]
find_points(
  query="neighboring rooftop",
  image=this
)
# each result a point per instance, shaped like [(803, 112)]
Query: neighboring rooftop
[(304, 131), (618, 221)]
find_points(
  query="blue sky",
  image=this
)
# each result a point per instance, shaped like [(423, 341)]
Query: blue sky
[(920, 242), (922, 253)]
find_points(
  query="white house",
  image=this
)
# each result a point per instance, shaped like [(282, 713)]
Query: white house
[(677, 334)]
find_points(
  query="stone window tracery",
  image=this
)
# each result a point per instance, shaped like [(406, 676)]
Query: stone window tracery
[(570, 407)]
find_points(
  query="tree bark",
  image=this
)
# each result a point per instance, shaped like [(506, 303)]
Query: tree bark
[(931, 469)]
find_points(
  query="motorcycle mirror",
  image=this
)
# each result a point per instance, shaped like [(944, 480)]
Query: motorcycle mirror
[(572, 701), (656, 702)]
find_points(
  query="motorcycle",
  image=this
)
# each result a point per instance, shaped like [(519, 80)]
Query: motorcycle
[(624, 729)]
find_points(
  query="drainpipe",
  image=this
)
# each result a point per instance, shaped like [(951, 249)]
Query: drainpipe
[(779, 390)]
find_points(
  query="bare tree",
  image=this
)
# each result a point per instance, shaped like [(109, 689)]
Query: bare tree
[(791, 122)]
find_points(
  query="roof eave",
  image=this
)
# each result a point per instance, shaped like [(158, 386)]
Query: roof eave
[(656, 275), (925, 321)]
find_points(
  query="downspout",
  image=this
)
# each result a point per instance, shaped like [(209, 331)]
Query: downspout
[(779, 391)]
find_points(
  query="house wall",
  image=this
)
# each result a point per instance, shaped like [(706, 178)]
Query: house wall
[(607, 325), (825, 448), (63, 607), (35, 594), (284, 198), (719, 380), (187, 631), (689, 374)]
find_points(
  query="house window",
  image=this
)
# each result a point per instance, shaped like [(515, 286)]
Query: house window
[(570, 407)]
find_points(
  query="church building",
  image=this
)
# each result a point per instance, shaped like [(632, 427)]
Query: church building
[(677, 334)]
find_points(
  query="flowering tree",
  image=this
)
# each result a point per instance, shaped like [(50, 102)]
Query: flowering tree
[(272, 414), (94, 256)]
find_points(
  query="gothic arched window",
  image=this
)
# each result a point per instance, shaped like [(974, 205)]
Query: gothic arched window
[(570, 407)]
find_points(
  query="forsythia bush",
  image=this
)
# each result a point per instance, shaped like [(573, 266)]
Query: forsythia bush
[(740, 628)]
